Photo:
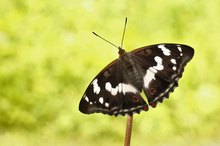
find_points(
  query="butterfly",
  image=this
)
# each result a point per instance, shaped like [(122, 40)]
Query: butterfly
[(153, 70)]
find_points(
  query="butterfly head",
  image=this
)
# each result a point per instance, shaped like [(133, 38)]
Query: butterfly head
[(121, 51)]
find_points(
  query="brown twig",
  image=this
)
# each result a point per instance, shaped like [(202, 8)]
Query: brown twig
[(128, 130)]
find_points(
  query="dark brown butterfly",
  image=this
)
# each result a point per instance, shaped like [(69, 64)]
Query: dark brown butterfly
[(154, 70)]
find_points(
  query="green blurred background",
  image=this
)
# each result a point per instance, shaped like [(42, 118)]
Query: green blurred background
[(48, 56)]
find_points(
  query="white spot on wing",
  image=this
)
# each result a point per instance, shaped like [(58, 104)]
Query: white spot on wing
[(120, 88), (87, 99), (101, 100), (107, 104), (179, 48), (128, 88), (149, 76), (174, 67), (153, 69), (158, 59), (159, 63), (96, 88), (109, 88), (173, 61), (165, 50)]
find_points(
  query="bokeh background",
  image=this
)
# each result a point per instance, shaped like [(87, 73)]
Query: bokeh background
[(48, 56)]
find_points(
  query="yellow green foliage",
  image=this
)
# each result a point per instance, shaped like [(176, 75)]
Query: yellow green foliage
[(48, 56)]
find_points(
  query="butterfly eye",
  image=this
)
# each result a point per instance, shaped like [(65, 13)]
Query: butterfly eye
[(135, 99), (152, 91)]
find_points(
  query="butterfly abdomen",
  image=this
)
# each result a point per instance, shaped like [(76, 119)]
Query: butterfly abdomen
[(131, 72)]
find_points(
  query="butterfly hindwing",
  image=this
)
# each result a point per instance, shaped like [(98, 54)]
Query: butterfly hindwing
[(163, 65), (110, 93)]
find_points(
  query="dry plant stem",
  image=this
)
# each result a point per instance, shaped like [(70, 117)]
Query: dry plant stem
[(128, 130)]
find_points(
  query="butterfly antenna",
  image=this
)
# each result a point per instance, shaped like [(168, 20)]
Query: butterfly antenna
[(106, 40), (124, 32)]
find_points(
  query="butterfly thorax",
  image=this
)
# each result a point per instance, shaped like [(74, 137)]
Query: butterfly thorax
[(131, 71)]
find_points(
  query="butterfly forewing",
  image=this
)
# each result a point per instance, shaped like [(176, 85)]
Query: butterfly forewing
[(110, 93), (163, 65)]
